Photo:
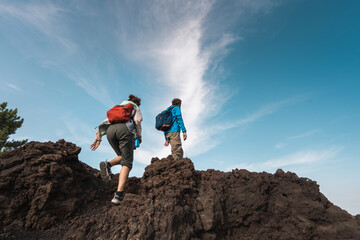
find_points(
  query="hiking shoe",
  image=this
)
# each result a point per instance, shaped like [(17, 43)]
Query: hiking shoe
[(117, 199), (105, 171)]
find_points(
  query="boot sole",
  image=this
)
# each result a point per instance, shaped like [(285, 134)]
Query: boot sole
[(103, 172)]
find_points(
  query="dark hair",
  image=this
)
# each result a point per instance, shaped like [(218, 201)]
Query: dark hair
[(135, 99), (176, 102)]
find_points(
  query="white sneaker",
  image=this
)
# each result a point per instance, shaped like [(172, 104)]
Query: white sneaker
[(116, 199)]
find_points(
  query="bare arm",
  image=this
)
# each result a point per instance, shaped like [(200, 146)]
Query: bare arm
[(96, 142)]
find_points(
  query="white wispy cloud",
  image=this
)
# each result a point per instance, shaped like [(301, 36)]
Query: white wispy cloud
[(57, 46), (179, 40), (262, 112), (270, 109), (14, 87), (171, 39), (77, 130), (306, 134), (298, 158), (45, 18)]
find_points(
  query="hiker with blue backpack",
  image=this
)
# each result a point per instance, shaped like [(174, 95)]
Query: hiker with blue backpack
[(123, 130), (171, 123)]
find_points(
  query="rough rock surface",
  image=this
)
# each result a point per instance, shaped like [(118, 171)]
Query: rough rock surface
[(47, 193)]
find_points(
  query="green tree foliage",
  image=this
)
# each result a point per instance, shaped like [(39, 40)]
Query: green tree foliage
[(9, 122)]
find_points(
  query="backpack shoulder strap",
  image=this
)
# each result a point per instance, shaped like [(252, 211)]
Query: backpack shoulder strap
[(124, 103), (133, 112)]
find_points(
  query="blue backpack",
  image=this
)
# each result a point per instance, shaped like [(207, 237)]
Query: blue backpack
[(164, 120)]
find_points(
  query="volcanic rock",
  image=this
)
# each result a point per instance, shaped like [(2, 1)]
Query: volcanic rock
[(47, 193)]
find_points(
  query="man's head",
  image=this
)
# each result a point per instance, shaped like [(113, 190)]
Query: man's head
[(176, 102), (134, 99)]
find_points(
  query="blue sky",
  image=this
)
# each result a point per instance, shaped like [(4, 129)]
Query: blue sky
[(264, 84)]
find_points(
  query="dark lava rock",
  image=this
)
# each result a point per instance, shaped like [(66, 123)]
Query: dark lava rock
[(47, 193)]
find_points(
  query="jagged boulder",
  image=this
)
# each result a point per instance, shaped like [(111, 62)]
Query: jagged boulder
[(46, 192), (43, 184)]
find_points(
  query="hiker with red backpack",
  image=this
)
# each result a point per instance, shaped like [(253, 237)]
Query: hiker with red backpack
[(122, 128), (171, 123)]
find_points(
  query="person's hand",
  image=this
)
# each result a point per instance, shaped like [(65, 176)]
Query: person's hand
[(166, 143), (184, 136), (95, 145)]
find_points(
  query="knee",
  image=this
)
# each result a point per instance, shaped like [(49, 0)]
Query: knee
[(127, 164)]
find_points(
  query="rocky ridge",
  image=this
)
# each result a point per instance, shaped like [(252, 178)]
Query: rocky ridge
[(47, 193)]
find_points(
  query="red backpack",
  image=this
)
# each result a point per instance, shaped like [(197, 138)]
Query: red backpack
[(119, 113)]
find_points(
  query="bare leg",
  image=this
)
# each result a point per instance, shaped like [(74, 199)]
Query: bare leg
[(124, 173), (115, 161)]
